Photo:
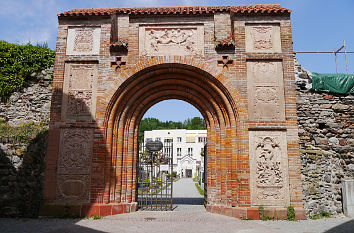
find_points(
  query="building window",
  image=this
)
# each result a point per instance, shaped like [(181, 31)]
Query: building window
[(158, 139), (179, 139), (190, 137), (202, 139), (179, 151), (168, 140), (149, 139), (190, 151), (167, 151)]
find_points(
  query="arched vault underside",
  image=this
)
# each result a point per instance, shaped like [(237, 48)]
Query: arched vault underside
[(172, 81)]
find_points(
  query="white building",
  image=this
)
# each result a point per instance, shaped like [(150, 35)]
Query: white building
[(188, 145)]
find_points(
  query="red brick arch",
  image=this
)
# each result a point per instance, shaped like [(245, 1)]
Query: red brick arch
[(154, 80)]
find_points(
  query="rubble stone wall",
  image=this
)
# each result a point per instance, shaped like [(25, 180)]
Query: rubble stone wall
[(326, 134), (22, 161)]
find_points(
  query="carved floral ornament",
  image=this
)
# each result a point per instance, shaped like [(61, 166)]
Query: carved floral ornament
[(269, 172)]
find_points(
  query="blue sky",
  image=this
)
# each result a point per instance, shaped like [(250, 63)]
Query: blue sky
[(317, 25)]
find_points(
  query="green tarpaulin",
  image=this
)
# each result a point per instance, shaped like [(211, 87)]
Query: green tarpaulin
[(337, 83)]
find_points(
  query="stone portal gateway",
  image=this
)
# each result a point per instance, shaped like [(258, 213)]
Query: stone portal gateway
[(233, 63)]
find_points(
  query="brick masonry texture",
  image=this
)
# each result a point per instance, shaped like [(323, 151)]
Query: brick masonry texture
[(326, 143), (130, 80)]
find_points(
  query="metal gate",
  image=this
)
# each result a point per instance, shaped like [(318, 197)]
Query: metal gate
[(205, 175), (155, 177)]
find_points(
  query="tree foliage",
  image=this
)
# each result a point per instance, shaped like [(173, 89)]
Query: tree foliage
[(153, 123), (18, 62)]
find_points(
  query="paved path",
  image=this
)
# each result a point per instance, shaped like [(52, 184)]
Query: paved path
[(186, 196), (189, 216), (173, 221)]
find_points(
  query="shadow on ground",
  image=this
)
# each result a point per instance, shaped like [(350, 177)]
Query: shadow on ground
[(188, 200), (347, 227)]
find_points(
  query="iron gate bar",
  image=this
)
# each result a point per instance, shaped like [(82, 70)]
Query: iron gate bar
[(155, 183)]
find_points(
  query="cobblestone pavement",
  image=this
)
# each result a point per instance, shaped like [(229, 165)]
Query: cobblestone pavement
[(189, 216)]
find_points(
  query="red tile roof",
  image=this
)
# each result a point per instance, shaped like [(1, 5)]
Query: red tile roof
[(244, 9)]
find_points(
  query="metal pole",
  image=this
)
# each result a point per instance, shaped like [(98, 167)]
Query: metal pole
[(335, 57), (346, 59)]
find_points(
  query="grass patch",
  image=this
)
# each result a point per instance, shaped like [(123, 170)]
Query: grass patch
[(96, 217), (200, 190), (24, 133), (323, 214)]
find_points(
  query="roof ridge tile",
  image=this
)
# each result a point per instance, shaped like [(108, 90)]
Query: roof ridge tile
[(255, 8)]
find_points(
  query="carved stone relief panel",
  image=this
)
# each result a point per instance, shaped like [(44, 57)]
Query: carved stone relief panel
[(73, 188), (83, 41), (263, 38), (265, 91), (79, 91), (74, 164), (269, 168), (171, 40), (75, 151)]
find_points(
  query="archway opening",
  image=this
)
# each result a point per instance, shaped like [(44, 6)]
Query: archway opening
[(163, 82), (173, 177)]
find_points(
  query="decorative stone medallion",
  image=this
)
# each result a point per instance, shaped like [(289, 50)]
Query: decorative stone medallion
[(83, 41), (263, 38), (265, 91), (171, 40), (269, 168), (73, 188)]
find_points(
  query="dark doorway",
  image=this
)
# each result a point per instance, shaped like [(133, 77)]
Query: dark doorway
[(188, 173)]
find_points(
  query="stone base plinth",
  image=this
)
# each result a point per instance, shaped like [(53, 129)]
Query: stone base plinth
[(253, 212), (86, 210)]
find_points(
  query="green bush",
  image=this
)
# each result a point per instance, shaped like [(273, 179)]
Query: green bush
[(291, 213), (18, 62)]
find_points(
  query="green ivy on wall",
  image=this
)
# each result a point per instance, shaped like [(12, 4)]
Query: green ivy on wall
[(18, 62)]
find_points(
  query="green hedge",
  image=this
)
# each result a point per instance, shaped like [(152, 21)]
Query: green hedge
[(18, 62)]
